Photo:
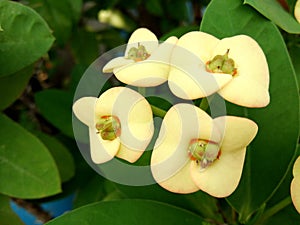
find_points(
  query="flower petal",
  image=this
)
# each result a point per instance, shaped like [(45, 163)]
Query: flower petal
[(252, 72), (237, 132), (245, 92), (222, 177), (188, 78), (128, 154), (144, 37), (296, 168), (150, 72), (295, 193), (102, 150), (83, 109), (116, 63), (170, 159), (297, 11), (134, 113)]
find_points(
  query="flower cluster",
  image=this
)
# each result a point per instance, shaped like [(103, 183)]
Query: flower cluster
[(193, 151)]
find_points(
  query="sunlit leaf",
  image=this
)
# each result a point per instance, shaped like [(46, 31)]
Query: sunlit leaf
[(27, 168), (133, 212)]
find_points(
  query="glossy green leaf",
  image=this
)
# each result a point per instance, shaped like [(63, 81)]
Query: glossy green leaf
[(275, 143), (62, 157), (7, 216), (199, 202), (12, 86), (60, 15), (21, 45), (56, 106), (133, 212), (295, 55), (95, 190), (276, 13), (27, 168)]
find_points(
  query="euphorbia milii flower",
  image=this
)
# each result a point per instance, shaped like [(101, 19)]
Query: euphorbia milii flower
[(297, 11), (295, 185), (145, 63), (195, 152), (235, 67), (120, 124)]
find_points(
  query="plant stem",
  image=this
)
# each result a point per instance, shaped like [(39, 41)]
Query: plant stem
[(275, 209), (158, 111)]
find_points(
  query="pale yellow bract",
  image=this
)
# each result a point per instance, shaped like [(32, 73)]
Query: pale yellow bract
[(295, 185), (136, 120), (189, 78), (297, 11), (171, 165)]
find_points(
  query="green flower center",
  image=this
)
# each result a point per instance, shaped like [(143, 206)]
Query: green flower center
[(138, 54), (109, 127), (221, 64), (204, 152)]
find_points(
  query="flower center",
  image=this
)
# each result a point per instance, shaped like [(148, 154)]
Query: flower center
[(221, 64), (204, 152), (138, 54), (109, 127)]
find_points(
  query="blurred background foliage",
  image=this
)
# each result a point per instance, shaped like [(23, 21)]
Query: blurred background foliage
[(45, 47)]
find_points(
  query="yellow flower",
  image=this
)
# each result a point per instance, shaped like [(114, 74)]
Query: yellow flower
[(145, 63), (295, 185), (195, 152), (235, 67), (120, 124), (297, 11)]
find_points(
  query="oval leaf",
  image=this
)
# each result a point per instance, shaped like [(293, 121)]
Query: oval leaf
[(7, 216), (56, 107), (133, 212), (275, 143), (24, 37), (274, 11), (12, 86), (27, 168)]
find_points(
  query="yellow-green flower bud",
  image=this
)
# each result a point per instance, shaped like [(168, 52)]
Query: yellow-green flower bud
[(109, 127)]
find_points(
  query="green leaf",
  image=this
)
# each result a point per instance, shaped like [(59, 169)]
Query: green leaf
[(274, 11), (12, 86), (56, 106), (27, 168), (295, 55), (275, 143), (62, 157), (198, 202), (133, 212), (7, 216), (60, 15), (24, 37), (95, 190)]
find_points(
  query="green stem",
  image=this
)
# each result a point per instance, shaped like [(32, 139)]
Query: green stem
[(158, 111), (204, 104), (275, 209)]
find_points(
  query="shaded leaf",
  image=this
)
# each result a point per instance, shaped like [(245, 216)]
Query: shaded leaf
[(62, 157), (60, 15), (27, 168), (56, 106), (7, 216), (12, 86)]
